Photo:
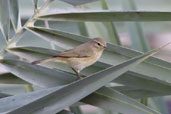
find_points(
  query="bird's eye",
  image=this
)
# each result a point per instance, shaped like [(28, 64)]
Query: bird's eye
[(99, 44)]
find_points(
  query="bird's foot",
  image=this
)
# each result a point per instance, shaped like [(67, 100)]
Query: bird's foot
[(78, 78)]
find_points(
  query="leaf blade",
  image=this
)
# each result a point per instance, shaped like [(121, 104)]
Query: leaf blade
[(117, 100), (81, 89), (130, 78), (4, 18), (37, 75), (97, 15), (15, 14), (110, 26)]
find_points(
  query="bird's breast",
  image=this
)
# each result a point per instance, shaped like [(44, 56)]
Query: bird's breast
[(81, 63)]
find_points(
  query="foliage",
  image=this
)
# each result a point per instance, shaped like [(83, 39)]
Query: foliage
[(58, 86)]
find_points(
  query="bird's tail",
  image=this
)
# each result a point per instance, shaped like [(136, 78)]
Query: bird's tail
[(54, 59)]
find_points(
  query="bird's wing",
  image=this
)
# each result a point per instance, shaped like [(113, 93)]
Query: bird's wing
[(81, 51), (76, 53), (66, 54)]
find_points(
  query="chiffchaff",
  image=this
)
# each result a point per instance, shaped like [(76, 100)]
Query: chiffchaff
[(79, 57)]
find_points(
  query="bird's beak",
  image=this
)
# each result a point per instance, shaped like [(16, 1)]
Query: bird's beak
[(104, 47)]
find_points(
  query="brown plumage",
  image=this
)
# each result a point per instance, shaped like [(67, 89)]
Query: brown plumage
[(79, 57)]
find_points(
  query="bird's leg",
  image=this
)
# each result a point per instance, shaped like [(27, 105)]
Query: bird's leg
[(78, 73)]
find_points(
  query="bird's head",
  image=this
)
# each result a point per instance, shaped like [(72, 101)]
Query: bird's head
[(98, 43)]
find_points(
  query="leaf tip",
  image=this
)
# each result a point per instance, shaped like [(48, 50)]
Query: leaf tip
[(165, 45), (161, 47)]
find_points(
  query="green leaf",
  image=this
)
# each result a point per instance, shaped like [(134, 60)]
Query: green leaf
[(110, 99), (118, 102), (4, 18), (19, 100), (83, 29), (58, 99), (95, 29), (138, 40), (144, 82), (32, 53), (16, 38), (130, 78), (137, 93), (110, 15), (37, 75), (15, 14), (78, 2), (3, 42), (8, 78), (2, 95), (58, 39), (110, 26)]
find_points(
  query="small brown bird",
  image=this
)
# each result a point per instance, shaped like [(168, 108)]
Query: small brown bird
[(79, 57)]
